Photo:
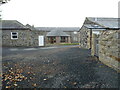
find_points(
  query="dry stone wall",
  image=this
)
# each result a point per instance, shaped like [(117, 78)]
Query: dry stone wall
[(85, 38), (109, 48)]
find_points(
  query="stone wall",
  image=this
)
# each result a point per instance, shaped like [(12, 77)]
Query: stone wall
[(85, 38), (109, 48), (0, 67), (0, 38), (28, 37), (34, 37), (25, 38)]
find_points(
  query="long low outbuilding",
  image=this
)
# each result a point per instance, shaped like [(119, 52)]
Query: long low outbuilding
[(102, 37), (15, 33)]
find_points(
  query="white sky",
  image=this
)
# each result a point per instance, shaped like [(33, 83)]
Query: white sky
[(58, 13)]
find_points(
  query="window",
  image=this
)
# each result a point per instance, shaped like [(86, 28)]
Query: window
[(96, 32), (14, 35), (75, 32), (51, 39), (63, 39)]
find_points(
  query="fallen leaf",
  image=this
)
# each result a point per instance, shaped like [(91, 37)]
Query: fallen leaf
[(28, 72), (65, 87), (15, 84), (44, 79), (7, 87), (30, 77), (74, 83), (35, 85)]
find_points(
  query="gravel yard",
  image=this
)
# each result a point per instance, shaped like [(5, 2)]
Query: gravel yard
[(65, 67)]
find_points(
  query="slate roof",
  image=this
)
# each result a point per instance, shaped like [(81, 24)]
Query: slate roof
[(57, 33), (58, 28), (110, 23), (93, 26), (12, 25)]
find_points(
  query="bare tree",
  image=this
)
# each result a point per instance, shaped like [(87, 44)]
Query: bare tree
[(3, 1)]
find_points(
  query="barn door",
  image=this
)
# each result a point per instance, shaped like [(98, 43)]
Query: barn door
[(41, 40)]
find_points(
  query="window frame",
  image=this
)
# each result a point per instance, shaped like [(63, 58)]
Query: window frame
[(63, 39), (14, 35)]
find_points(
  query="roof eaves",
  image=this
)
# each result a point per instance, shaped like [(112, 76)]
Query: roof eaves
[(14, 28)]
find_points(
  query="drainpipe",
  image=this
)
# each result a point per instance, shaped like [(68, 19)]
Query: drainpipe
[(90, 39)]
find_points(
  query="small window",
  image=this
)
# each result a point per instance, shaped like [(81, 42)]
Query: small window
[(14, 35), (63, 39), (75, 32)]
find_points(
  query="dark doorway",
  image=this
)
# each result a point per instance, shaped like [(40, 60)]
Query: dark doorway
[(64, 39), (52, 40)]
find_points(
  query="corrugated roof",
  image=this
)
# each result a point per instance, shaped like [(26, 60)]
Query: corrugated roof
[(106, 22), (57, 33), (58, 28), (12, 24)]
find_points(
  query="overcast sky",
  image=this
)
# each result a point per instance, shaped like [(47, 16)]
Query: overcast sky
[(58, 13)]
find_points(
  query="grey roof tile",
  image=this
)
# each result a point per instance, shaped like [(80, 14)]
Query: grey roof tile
[(57, 33), (58, 28), (12, 24), (106, 22), (90, 26)]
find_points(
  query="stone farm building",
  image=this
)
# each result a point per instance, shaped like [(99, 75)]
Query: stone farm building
[(60, 34), (102, 37), (15, 33)]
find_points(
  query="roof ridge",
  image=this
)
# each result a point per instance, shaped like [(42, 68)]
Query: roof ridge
[(104, 22), (12, 24)]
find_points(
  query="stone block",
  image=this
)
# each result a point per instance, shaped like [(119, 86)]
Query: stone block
[(119, 34), (118, 41)]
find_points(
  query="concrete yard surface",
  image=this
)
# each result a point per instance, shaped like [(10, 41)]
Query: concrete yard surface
[(65, 67)]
